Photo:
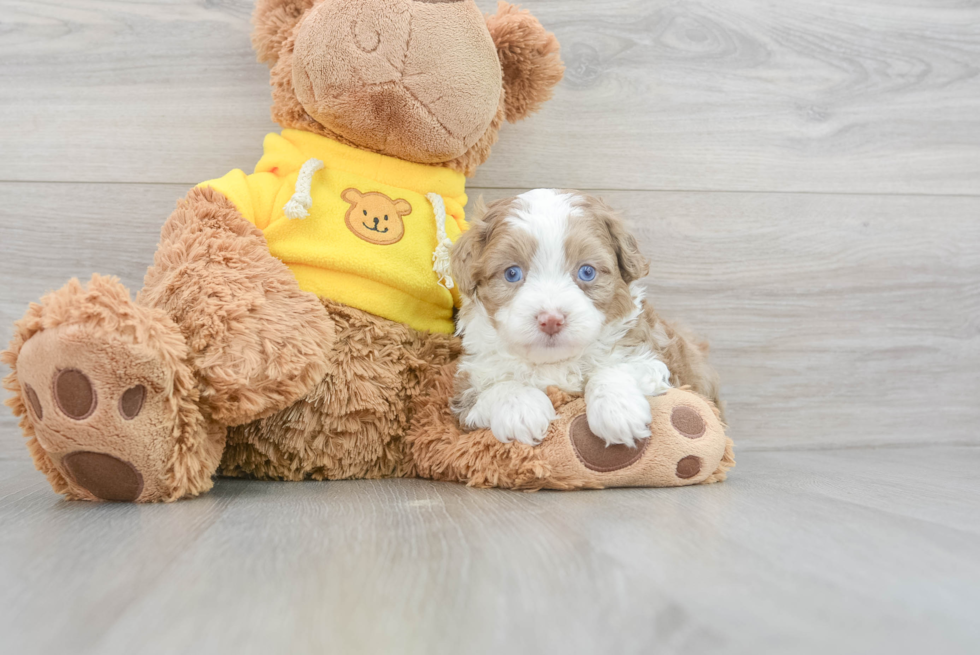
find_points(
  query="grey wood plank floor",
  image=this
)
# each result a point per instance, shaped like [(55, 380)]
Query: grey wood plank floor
[(805, 177), (844, 551)]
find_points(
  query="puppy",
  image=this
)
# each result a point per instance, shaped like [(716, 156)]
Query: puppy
[(551, 297)]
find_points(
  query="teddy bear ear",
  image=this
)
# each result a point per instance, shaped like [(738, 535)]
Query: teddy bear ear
[(403, 207), (529, 58), (352, 195), (273, 21)]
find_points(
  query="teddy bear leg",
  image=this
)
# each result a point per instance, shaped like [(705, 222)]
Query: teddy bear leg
[(257, 342), (688, 446), (124, 400), (439, 450), (107, 398), (353, 422)]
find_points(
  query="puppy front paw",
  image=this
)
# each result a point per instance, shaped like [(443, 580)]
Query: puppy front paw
[(523, 416), (621, 418)]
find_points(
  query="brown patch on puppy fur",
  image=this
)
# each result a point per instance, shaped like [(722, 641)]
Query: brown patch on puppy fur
[(632, 264), (686, 357), (485, 251), (597, 236), (601, 229)]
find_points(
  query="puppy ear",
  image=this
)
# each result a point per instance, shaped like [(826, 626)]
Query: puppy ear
[(467, 249), (632, 264), (529, 59), (465, 256), (273, 21)]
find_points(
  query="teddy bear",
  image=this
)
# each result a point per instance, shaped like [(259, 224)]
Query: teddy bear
[(297, 321)]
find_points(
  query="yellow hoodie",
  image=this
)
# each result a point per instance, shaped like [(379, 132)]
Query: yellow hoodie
[(369, 231)]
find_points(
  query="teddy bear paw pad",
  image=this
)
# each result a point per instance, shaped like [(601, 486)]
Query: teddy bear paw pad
[(100, 410), (104, 476)]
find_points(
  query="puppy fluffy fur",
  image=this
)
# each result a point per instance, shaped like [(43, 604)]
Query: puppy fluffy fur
[(551, 297)]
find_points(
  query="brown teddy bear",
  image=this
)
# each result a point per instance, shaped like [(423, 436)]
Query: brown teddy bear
[(297, 321)]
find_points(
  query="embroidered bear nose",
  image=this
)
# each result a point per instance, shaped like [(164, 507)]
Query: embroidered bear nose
[(551, 323)]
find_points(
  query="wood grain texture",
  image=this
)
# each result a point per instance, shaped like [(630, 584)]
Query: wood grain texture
[(834, 319), (803, 95), (851, 551)]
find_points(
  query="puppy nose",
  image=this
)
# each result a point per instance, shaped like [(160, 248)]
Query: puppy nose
[(551, 323)]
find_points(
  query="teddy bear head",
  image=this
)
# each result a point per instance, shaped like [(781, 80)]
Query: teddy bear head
[(427, 81)]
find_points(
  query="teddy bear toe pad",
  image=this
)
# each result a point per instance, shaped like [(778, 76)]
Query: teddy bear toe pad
[(688, 422), (73, 394), (688, 467)]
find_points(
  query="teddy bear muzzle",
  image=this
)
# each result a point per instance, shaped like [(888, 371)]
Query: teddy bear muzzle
[(418, 80)]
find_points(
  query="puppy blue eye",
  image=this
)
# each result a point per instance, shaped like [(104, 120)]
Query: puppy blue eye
[(586, 273), (514, 274)]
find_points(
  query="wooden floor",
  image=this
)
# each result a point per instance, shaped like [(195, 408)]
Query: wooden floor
[(805, 177), (845, 551)]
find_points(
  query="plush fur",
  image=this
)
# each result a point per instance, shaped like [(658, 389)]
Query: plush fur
[(353, 422), (529, 68), (257, 343), (223, 365), (175, 440), (529, 59), (273, 22)]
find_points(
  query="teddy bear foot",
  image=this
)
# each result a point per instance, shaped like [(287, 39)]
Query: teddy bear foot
[(99, 411), (107, 395), (687, 446)]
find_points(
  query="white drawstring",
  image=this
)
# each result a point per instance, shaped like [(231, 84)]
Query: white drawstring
[(299, 205), (440, 257)]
